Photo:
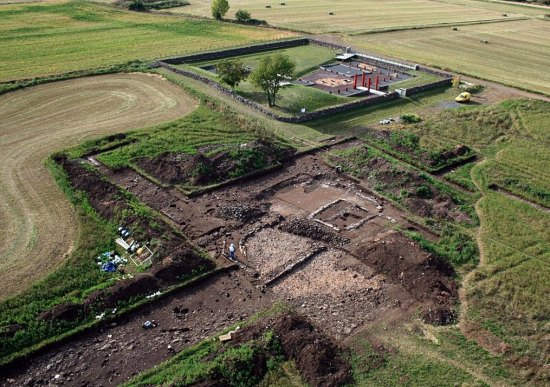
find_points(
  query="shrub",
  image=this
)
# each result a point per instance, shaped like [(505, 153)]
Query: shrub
[(242, 16), (424, 192), (410, 118), (473, 88)]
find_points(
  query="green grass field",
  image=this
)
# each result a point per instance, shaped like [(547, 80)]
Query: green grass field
[(508, 294), (353, 122), (290, 99), (361, 15), (516, 53), (424, 355), (307, 58), (511, 136), (50, 38)]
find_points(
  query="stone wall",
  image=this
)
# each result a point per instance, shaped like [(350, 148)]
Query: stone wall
[(204, 56), (168, 64), (429, 86), (439, 73), (256, 106)]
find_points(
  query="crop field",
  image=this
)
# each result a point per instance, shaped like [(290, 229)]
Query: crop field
[(354, 16), (50, 38), (516, 53), (39, 227)]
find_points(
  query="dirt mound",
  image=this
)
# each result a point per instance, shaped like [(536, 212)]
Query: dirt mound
[(10, 330), (241, 212), (176, 168), (421, 197), (214, 164), (181, 263), (67, 312), (312, 230), (406, 145), (457, 151), (319, 360), (438, 316), (426, 277), (105, 198), (122, 291)]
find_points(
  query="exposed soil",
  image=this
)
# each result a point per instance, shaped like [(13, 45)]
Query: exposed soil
[(122, 348), (409, 146), (341, 278), (178, 257), (209, 166), (426, 276), (422, 198), (319, 359)]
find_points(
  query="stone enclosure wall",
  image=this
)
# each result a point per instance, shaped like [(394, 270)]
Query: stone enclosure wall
[(169, 62)]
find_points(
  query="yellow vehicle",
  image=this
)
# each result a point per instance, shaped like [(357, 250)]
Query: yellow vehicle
[(463, 97)]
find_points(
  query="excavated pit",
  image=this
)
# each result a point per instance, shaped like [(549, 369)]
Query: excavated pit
[(343, 268), (303, 234)]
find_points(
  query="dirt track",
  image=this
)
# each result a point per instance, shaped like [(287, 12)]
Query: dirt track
[(37, 224)]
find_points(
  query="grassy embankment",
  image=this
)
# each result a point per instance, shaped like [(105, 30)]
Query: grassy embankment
[(507, 294), (237, 364)]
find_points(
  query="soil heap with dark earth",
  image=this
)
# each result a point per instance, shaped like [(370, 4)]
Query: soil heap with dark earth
[(210, 166)]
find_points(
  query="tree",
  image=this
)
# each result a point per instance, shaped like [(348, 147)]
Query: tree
[(219, 8), (242, 16), (271, 71), (231, 72)]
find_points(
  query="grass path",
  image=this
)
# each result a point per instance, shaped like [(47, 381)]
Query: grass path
[(39, 226), (414, 349)]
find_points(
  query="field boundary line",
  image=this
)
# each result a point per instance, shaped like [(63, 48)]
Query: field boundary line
[(438, 25)]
